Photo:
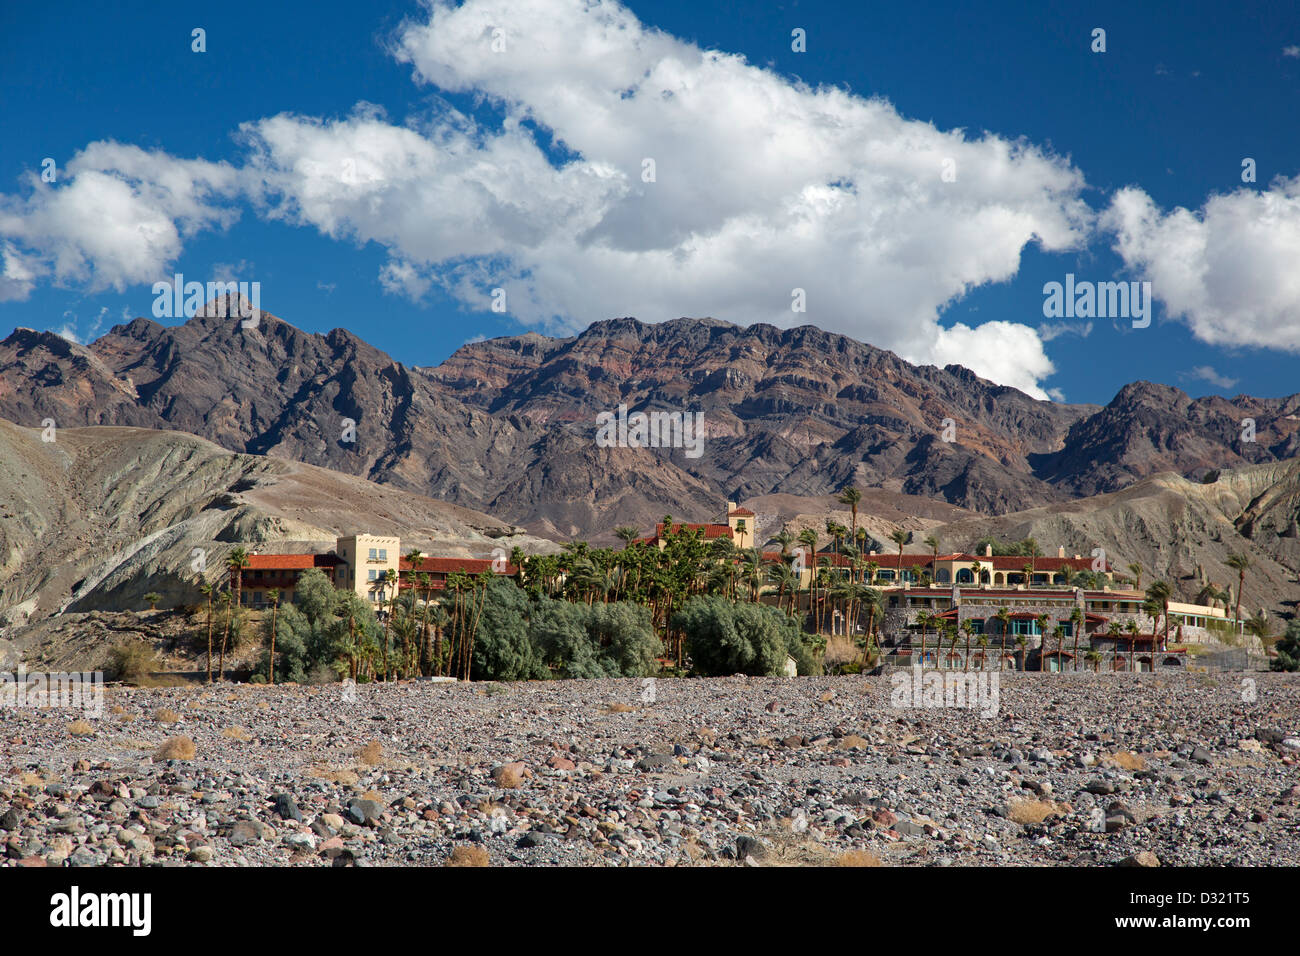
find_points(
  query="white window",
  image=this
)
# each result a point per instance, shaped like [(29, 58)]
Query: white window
[(372, 554), (383, 554), (372, 574)]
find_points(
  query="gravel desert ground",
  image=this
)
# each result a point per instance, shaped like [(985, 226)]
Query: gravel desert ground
[(1073, 769)]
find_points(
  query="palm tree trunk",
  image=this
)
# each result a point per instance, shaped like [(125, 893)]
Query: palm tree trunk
[(221, 663), (271, 668), (209, 638)]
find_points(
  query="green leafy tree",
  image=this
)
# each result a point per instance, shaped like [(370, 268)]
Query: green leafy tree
[(626, 637), (724, 638), (501, 647), (1288, 649)]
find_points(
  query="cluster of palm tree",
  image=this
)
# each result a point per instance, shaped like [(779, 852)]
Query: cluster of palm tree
[(228, 601), (663, 579), (422, 634), (947, 631)]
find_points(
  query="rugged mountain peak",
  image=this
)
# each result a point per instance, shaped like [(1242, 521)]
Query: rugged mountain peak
[(796, 411)]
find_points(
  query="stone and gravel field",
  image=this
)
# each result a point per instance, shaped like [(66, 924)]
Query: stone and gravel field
[(1074, 769)]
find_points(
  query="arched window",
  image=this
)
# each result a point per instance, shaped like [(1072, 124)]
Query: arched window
[(941, 576), (999, 578), (964, 576)]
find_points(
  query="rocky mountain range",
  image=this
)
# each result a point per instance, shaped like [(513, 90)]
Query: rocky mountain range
[(507, 426)]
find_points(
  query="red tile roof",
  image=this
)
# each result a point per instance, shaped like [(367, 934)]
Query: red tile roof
[(449, 565), (740, 513), (710, 530), (291, 562), (1007, 562)]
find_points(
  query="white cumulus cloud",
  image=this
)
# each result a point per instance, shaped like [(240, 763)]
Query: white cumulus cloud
[(761, 185), (1228, 270), (117, 216)]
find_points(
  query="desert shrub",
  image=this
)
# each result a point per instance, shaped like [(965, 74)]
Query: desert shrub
[(502, 647), (1027, 811), (165, 715), (725, 638), (468, 856), (321, 674), (81, 728), (1288, 649), (175, 748), (133, 662), (840, 651)]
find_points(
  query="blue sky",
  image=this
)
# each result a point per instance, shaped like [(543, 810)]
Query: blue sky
[(518, 169)]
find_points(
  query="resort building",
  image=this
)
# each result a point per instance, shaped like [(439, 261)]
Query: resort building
[(740, 527), (370, 565), (985, 569)]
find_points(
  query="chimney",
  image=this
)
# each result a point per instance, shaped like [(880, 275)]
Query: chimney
[(988, 550), (731, 506), (1060, 550)]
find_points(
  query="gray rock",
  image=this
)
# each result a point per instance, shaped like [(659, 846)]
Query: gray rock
[(365, 812), (286, 807)]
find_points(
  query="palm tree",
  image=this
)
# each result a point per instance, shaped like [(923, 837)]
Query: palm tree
[(982, 640), (808, 538), (932, 542), (851, 496), (388, 578), (1022, 644), (237, 561), (1004, 622), (900, 538), (1058, 632), (924, 620), (1028, 573), (1240, 563), (206, 590), (1158, 593), (1131, 628), (1032, 545), (153, 597), (1076, 627), (1113, 630), (221, 659), (1258, 625), (627, 534), (1042, 620), (1094, 658), (781, 574), (871, 603), (273, 595), (1136, 570)]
